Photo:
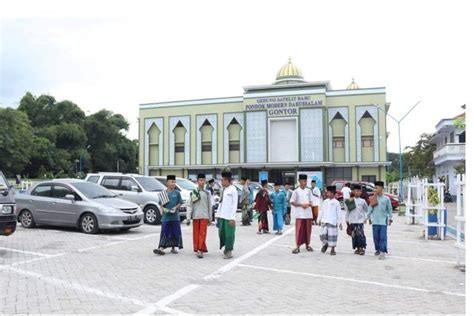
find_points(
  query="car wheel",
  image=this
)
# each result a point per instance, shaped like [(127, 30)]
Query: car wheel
[(151, 215), (89, 224), (26, 219)]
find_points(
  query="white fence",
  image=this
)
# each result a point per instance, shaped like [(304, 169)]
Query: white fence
[(460, 219), (413, 211)]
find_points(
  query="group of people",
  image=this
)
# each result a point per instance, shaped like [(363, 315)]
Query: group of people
[(306, 205)]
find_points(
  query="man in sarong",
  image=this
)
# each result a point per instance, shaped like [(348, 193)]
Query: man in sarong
[(355, 219), (330, 217), (279, 208), (245, 199), (199, 209), (316, 199), (170, 222), (226, 214), (301, 211), (262, 205)]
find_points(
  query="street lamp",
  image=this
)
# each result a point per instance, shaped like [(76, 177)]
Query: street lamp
[(400, 164), (80, 160)]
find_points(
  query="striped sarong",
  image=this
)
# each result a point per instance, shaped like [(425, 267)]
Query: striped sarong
[(328, 234)]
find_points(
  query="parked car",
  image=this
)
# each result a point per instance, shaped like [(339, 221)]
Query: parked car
[(368, 189), (7, 207), (76, 203), (135, 188)]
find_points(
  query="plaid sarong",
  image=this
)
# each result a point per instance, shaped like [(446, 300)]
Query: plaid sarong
[(328, 234)]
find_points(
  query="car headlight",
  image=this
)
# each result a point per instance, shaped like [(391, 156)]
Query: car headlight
[(109, 210), (7, 209)]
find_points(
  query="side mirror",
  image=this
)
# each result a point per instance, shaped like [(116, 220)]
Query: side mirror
[(135, 189), (70, 197)]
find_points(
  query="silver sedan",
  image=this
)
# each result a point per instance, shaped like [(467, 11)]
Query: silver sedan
[(76, 203)]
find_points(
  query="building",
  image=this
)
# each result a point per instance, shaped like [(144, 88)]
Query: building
[(289, 126), (450, 150)]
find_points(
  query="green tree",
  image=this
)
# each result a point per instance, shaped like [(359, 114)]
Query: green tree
[(420, 157), (15, 141)]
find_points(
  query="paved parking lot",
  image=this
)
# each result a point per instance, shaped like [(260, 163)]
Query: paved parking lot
[(50, 270)]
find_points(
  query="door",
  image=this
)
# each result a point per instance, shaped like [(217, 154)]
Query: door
[(40, 202), (126, 192), (66, 212), (283, 140)]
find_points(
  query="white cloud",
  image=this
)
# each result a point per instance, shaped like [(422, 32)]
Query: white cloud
[(118, 55)]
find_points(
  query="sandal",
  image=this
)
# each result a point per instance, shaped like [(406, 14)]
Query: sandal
[(158, 252), (296, 250), (174, 251), (308, 248)]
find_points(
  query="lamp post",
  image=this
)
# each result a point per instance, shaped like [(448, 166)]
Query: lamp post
[(400, 163), (80, 160)]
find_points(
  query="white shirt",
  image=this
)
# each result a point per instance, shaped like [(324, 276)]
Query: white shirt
[(228, 206), (300, 196), (331, 212), (357, 215), (316, 196), (346, 193)]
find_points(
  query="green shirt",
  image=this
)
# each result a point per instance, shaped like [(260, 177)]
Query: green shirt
[(382, 212), (175, 199)]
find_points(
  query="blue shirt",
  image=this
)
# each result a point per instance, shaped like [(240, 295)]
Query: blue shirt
[(382, 212), (279, 201), (175, 199)]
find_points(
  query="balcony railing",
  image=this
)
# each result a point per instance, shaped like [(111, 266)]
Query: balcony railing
[(450, 149)]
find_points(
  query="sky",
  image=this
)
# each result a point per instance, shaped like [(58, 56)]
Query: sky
[(116, 55)]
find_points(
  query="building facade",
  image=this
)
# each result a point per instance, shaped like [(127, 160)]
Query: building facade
[(450, 143), (282, 128)]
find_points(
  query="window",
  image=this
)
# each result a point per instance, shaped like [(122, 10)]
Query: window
[(451, 137), (111, 183), (93, 179), (462, 137), (367, 141), (234, 146), (206, 147), (127, 184), (338, 142), (370, 179), (179, 148), (42, 190), (60, 192)]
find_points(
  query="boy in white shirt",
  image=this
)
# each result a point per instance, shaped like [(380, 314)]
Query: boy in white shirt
[(301, 211), (330, 217), (316, 199)]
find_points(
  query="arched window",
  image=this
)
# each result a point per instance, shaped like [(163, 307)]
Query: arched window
[(206, 142), (179, 136), (153, 145), (367, 124), (234, 129)]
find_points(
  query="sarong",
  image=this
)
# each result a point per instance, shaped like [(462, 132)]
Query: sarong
[(226, 234), (263, 221), (245, 214), (358, 236), (328, 234), (277, 221), (171, 235), (199, 234), (303, 230)]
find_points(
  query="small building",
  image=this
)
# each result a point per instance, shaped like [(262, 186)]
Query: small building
[(450, 152), (282, 128)]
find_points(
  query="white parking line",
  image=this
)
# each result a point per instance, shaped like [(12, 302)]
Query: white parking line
[(162, 304), (26, 252), (388, 256), (401, 287)]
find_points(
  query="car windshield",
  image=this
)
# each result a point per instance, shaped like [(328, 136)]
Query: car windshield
[(3, 181), (150, 184), (254, 186), (185, 184), (92, 190)]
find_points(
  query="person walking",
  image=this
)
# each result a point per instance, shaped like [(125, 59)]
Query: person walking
[(170, 236), (380, 216), (262, 205), (226, 215), (356, 212), (329, 219), (301, 209), (199, 210), (279, 208)]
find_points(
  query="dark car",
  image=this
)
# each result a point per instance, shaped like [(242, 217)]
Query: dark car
[(7, 207), (368, 189)]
